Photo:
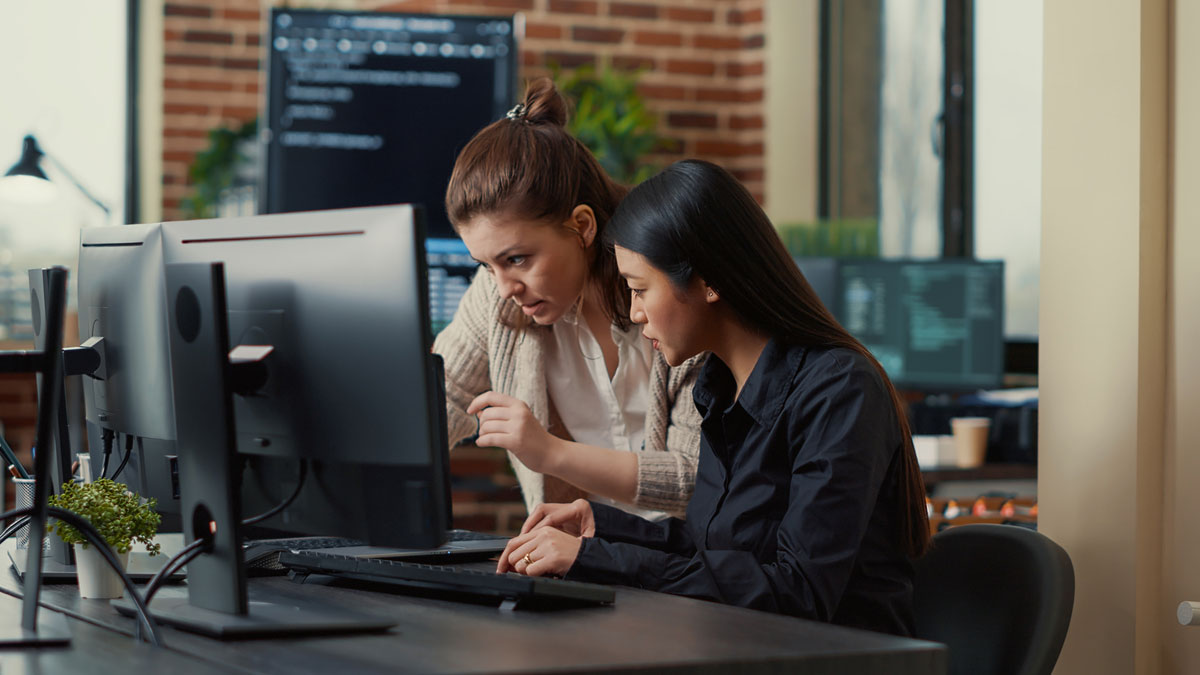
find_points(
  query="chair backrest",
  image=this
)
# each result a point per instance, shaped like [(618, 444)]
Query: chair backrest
[(999, 596)]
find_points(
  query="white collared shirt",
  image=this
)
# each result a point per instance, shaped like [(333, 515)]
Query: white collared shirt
[(610, 413)]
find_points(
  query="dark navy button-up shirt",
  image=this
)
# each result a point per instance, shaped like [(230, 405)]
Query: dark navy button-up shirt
[(795, 505)]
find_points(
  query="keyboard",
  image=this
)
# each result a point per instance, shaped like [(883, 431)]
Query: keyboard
[(262, 555), (512, 590)]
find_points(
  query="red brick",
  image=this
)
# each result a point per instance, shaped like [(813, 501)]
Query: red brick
[(238, 112), (716, 42), (690, 15), (197, 85), (746, 122), (253, 40), (590, 34), (188, 60), (530, 59), (570, 59), (662, 92), (500, 4), (692, 120), (634, 63), (746, 175), (721, 95), (178, 156), (754, 42), (175, 9), (740, 16), (252, 87), (241, 14), (240, 64), (658, 39), (751, 96), (574, 7), (172, 35), (744, 69), (727, 148), (208, 36), (185, 109), (184, 133), (633, 10), (544, 31), (690, 67)]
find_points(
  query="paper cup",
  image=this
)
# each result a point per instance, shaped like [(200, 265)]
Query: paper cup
[(970, 440)]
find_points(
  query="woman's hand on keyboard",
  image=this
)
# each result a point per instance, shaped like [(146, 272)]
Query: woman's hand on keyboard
[(574, 518), (545, 551)]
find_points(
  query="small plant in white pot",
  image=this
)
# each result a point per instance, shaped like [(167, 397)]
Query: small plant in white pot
[(119, 516)]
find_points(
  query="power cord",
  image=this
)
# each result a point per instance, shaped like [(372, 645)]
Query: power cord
[(129, 440), (107, 437), (285, 503)]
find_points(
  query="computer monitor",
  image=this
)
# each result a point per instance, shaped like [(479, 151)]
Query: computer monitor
[(934, 325), (369, 108), (122, 299), (350, 388)]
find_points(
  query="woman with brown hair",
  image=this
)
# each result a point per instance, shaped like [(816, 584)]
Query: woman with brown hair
[(808, 497), (541, 358)]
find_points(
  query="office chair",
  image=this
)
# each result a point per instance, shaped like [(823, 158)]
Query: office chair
[(998, 596)]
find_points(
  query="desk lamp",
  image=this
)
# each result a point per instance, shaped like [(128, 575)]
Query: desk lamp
[(26, 181)]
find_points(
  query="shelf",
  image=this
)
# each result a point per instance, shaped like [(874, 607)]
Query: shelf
[(942, 474)]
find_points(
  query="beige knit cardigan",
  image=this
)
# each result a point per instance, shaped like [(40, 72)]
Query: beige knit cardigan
[(481, 353)]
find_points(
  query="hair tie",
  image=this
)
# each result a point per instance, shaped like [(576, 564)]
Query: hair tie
[(517, 114)]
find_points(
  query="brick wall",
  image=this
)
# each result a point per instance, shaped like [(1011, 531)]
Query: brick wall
[(704, 61)]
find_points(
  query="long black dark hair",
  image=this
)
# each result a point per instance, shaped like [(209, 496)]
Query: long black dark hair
[(695, 219)]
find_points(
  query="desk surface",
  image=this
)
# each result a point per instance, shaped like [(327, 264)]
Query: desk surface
[(642, 631)]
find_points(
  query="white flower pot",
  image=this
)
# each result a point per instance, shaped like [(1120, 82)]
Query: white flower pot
[(96, 578)]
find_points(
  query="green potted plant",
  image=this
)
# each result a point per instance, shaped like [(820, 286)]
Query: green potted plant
[(612, 120), (121, 518)]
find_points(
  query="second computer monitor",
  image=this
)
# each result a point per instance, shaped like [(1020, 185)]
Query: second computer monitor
[(934, 325)]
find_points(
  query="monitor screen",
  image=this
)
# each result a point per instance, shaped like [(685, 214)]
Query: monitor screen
[(935, 325), (370, 108)]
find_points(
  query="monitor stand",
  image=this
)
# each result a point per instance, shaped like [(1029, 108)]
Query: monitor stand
[(217, 604)]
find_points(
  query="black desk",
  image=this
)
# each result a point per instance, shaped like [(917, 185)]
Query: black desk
[(642, 631)]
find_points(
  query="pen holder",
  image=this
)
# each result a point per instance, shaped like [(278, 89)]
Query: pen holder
[(23, 495)]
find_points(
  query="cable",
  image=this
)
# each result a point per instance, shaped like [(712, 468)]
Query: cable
[(107, 437), (89, 532), (129, 440), (12, 529), (177, 561), (285, 503)]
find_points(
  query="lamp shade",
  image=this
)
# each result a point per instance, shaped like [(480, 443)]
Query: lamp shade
[(31, 156)]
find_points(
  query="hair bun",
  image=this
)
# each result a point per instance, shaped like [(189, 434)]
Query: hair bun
[(544, 104)]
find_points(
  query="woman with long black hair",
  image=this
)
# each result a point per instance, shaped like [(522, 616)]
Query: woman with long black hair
[(808, 498)]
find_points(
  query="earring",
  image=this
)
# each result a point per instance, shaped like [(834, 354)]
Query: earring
[(710, 294)]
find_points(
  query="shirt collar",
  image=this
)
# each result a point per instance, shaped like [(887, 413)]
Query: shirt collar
[(765, 390)]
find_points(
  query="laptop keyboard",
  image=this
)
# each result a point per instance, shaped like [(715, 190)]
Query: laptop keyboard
[(512, 590)]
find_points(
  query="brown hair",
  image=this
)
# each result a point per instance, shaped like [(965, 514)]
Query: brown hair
[(527, 164), (695, 218)]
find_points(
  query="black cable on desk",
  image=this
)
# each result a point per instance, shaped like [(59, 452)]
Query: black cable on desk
[(285, 503), (89, 532), (177, 561)]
